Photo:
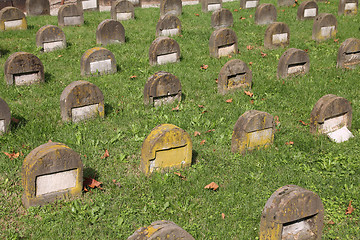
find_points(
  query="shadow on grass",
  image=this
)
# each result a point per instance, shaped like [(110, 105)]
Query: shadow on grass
[(108, 109), (4, 52), (17, 122), (48, 77), (90, 173), (194, 157)]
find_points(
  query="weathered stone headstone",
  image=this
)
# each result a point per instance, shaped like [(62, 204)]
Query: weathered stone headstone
[(97, 60), (307, 10), (253, 130), (70, 15), (161, 230), (110, 31), (265, 13), (325, 27), (244, 4), (293, 62), (5, 117), (23, 68), (169, 25), (162, 88), (222, 18), (122, 10), (292, 212), (233, 75), (164, 50), (332, 115), (285, 3), (223, 42), (50, 38), (37, 7), (210, 5), (12, 18), (277, 35), (88, 5), (166, 147), (173, 7), (348, 7), (349, 53), (81, 100), (50, 172)]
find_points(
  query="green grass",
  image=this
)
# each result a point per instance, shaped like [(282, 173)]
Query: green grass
[(246, 182)]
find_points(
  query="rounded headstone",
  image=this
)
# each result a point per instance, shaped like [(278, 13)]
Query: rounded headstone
[(166, 147), (23, 68), (20, 4), (265, 13), (307, 10), (293, 62), (162, 88), (12, 18), (50, 172), (324, 27), (222, 18), (122, 10), (97, 60), (88, 5), (245, 4), (348, 7), (169, 25), (223, 42), (235, 74), (37, 7), (50, 38), (173, 7), (349, 53), (292, 212), (70, 15), (5, 117), (253, 130), (110, 31), (81, 100), (277, 35), (164, 50), (285, 3), (210, 5)]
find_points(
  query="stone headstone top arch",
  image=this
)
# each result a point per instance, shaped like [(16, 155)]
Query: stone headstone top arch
[(12, 18), (324, 27), (50, 38), (173, 7), (265, 14), (293, 62), (169, 25), (223, 42), (222, 18), (70, 15), (97, 60), (122, 10), (307, 10), (5, 117), (277, 35), (37, 7), (349, 53), (164, 50), (110, 31), (235, 74)]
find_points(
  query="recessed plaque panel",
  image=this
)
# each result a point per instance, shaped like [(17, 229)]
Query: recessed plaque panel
[(168, 158), (89, 4), (213, 7), (166, 58), (158, 101), (296, 68), (123, 16), (350, 6), (73, 20), (86, 112), (55, 182), (102, 66), (250, 4), (26, 78), (259, 138), (350, 56), (326, 31), (2, 126), (12, 24), (226, 50), (50, 46), (279, 38), (236, 80), (299, 228), (310, 12), (169, 32), (332, 124)]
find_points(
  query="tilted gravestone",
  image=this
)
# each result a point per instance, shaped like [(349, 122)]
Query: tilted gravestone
[(235, 74), (292, 212), (97, 60), (166, 147), (277, 35), (223, 42), (164, 50), (37, 7), (325, 27), (50, 38), (285, 3), (349, 53), (122, 10), (12, 18), (222, 18), (173, 7), (169, 25), (70, 15), (265, 13), (293, 62), (23, 68), (81, 100), (50, 172), (244, 4), (88, 5), (161, 230), (5, 117), (110, 31), (253, 130), (210, 5), (307, 10), (348, 7), (332, 116), (162, 88)]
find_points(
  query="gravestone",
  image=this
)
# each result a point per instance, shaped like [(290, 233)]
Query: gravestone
[(307, 10), (277, 35), (110, 31), (265, 13), (81, 100), (166, 147), (332, 116), (235, 74), (223, 42), (50, 172), (293, 62), (348, 7), (23, 68), (222, 18), (349, 53), (88, 5), (164, 50), (169, 25), (70, 15), (50, 38), (244, 4), (122, 10), (325, 27), (5, 117), (37, 7), (20, 4), (286, 3), (162, 88), (210, 5), (161, 230), (173, 7), (97, 60), (253, 130), (292, 212), (12, 18)]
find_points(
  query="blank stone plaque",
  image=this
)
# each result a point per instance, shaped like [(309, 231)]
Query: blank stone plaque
[(244, 4), (167, 58), (27, 78), (55, 182), (213, 7), (83, 113), (2, 126), (210, 5)]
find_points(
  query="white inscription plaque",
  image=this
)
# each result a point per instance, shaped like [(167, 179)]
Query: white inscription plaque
[(26, 78), (123, 16), (89, 4), (326, 31), (279, 38), (166, 58), (169, 32), (2, 126), (226, 50), (214, 7), (250, 4), (82, 113), (332, 124), (350, 6), (102, 66), (50, 46), (13, 24), (296, 69), (55, 182), (341, 135), (310, 12)]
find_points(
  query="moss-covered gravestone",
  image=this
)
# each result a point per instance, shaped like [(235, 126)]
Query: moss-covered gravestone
[(210, 5), (164, 50), (244, 4), (307, 10), (122, 10), (293, 62), (110, 31), (222, 18), (50, 38), (349, 53), (5, 117), (173, 7), (348, 7), (324, 27), (37, 7), (169, 25), (70, 15), (265, 14), (12, 18), (277, 35), (97, 60), (223, 42)]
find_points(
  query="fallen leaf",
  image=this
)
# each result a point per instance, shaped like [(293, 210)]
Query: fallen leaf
[(250, 63), (252, 101), (49, 140), (250, 94), (229, 100), (12, 155), (212, 186), (263, 54), (277, 121), (181, 176), (116, 183), (306, 50), (106, 154), (336, 40), (91, 183), (249, 47), (250, 16), (216, 80), (196, 133), (229, 56), (331, 222), (235, 10), (289, 143), (202, 142), (15, 120), (283, 10), (294, 5), (200, 106), (176, 108), (210, 130), (204, 112), (242, 18), (204, 66), (350, 208), (303, 123), (196, 14), (223, 215), (132, 77), (59, 56)]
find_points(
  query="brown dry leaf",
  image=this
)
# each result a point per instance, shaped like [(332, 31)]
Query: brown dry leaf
[(196, 14), (181, 176), (250, 63), (116, 183), (176, 108), (242, 18), (263, 54), (106, 154), (204, 112), (306, 50), (229, 56), (196, 133), (350, 209), (59, 56), (91, 183), (212, 186), (202, 142), (200, 106), (336, 40), (277, 121), (289, 143), (12, 155), (223, 215), (250, 94), (303, 123), (15, 120), (294, 5), (216, 80), (210, 130), (133, 76), (252, 101), (204, 66), (229, 100), (331, 222), (235, 10), (249, 47), (250, 16)]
